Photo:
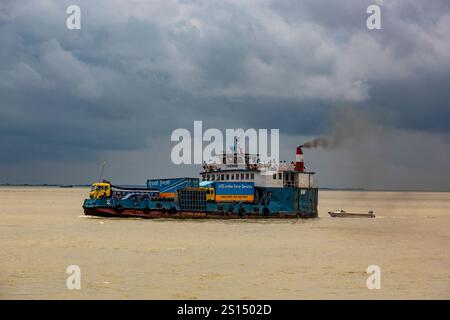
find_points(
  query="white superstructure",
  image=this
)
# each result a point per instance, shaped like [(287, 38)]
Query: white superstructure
[(244, 167)]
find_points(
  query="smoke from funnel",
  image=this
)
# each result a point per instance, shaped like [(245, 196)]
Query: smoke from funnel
[(359, 146), (347, 124), (361, 150), (316, 143)]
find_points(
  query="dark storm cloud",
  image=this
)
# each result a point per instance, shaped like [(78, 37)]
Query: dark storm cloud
[(136, 71)]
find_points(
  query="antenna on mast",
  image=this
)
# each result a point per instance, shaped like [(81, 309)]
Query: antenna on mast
[(102, 170)]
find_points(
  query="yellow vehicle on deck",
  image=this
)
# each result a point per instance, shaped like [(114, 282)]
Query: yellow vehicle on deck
[(225, 193), (210, 194), (100, 190)]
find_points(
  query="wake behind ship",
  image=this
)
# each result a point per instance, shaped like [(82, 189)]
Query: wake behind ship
[(236, 185)]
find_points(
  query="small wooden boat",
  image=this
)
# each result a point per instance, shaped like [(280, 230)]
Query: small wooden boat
[(339, 213)]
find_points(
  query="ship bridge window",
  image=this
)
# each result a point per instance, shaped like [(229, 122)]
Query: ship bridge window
[(252, 176), (228, 177), (279, 176), (246, 176), (242, 176), (221, 177), (274, 176), (232, 177)]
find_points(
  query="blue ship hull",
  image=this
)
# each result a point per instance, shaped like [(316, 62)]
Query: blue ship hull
[(268, 203)]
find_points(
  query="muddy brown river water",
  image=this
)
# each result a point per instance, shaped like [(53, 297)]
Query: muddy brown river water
[(43, 230)]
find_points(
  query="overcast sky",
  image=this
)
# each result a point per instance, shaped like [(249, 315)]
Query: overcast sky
[(137, 70)]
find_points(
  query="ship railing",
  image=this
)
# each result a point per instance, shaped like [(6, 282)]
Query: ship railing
[(286, 167)]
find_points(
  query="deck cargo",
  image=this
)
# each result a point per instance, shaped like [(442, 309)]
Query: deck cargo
[(168, 187)]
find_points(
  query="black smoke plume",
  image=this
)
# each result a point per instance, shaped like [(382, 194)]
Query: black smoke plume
[(346, 124)]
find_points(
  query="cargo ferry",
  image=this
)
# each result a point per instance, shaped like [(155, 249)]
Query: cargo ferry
[(234, 186)]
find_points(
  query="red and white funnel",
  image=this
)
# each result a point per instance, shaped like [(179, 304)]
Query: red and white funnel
[(299, 161)]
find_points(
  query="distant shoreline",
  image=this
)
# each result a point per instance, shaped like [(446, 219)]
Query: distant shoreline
[(68, 186)]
